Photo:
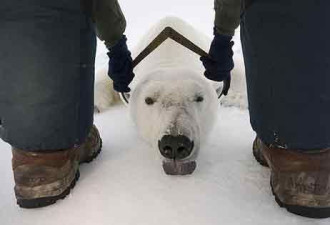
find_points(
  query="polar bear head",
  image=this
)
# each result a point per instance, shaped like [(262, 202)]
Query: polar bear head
[(174, 111)]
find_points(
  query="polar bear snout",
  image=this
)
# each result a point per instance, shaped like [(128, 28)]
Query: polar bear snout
[(175, 147)]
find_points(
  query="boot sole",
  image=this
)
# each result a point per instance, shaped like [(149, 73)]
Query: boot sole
[(42, 202), (309, 212)]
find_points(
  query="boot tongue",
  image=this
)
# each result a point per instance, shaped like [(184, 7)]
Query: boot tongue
[(179, 168)]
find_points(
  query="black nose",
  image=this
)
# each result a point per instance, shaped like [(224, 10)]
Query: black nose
[(175, 147)]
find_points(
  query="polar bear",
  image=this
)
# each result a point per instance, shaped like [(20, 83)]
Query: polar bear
[(172, 104)]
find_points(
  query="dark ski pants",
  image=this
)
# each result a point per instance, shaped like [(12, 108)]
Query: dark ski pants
[(47, 53), (287, 57)]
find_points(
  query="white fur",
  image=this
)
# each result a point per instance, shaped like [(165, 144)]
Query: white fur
[(175, 110), (173, 76), (104, 95)]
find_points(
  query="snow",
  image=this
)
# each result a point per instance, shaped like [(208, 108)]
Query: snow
[(126, 185)]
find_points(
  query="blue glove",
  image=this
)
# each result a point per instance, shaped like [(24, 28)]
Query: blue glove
[(220, 63), (121, 66)]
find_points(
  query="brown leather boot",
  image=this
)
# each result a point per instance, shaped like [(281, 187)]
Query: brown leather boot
[(257, 152), (300, 180), (43, 178), (91, 148)]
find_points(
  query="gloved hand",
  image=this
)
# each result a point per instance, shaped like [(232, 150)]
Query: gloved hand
[(121, 66), (220, 63)]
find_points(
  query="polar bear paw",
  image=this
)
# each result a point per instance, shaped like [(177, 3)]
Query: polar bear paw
[(105, 96)]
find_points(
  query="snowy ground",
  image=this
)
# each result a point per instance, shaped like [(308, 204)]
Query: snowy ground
[(126, 184)]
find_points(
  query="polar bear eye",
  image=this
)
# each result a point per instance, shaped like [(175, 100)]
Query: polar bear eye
[(199, 99), (149, 101)]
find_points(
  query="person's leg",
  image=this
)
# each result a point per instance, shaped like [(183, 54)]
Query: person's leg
[(87, 74), (46, 98), (91, 145), (287, 66), (39, 69)]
